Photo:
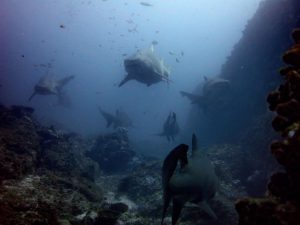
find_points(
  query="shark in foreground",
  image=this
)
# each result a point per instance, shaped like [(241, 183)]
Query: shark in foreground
[(119, 119), (48, 86), (145, 67), (195, 181)]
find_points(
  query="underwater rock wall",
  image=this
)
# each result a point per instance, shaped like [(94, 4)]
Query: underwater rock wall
[(252, 65), (281, 206), (251, 69)]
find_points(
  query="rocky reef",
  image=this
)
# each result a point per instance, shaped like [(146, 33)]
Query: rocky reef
[(111, 149), (282, 202), (45, 177), (52, 177)]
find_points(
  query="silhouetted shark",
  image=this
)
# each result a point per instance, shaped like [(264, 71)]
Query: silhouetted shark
[(120, 119), (171, 127), (194, 182), (213, 92), (48, 86)]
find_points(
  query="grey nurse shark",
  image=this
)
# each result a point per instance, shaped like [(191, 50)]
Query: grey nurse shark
[(119, 119), (215, 91), (47, 85), (145, 67)]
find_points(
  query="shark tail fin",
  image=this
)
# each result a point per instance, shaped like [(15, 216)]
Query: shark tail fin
[(126, 79), (64, 81), (31, 96)]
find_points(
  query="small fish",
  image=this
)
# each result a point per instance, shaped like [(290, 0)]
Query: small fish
[(124, 54), (154, 42), (145, 4), (133, 30), (23, 56), (62, 26), (177, 60), (182, 53), (171, 53)]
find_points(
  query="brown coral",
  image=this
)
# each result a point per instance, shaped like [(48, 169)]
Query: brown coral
[(282, 203)]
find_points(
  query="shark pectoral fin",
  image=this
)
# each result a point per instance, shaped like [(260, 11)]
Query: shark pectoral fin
[(195, 99), (167, 199), (64, 81), (206, 208), (177, 207), (127, 78), (31, 96)]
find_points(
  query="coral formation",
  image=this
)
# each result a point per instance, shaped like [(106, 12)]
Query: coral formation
[(282, 202)]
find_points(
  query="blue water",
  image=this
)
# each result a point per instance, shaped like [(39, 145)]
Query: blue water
[(88, 39)]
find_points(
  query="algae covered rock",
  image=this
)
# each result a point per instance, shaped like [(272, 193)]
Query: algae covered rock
[(112, 151), (19, 142), (44, 176)]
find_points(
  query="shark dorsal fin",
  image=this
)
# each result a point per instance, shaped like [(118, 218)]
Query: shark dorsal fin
[(194, 144)]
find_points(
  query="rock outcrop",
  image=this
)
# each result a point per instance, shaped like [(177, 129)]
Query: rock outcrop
[(44, 176), (112, 151)]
